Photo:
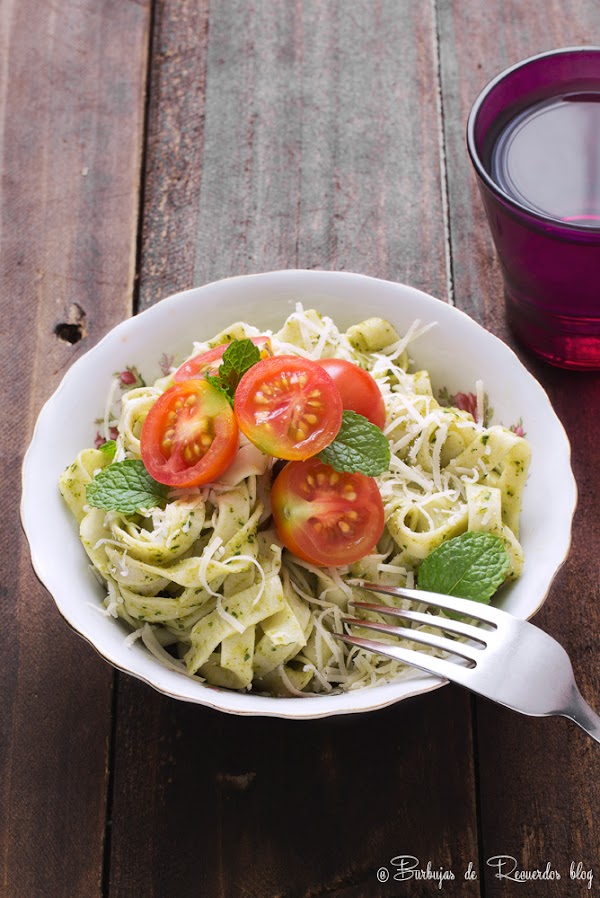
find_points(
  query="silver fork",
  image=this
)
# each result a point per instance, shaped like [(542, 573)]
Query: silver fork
[(513, 663)]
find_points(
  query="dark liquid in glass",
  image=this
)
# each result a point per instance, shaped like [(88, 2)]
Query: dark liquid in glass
[(548, 158)]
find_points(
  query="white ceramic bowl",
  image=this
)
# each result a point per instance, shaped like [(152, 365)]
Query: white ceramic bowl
[(457, 352)]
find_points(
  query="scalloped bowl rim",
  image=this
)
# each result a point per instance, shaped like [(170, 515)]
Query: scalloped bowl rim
[(457, 351)]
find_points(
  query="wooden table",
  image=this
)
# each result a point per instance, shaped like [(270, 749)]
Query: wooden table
[(149, 147)]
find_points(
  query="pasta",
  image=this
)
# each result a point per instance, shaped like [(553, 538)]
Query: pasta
[(203, 581)]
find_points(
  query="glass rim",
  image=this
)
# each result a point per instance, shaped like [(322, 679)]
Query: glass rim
[(476, 160)]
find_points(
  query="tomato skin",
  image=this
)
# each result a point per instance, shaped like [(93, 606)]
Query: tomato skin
[(288, 406), (190, 436), (209, 362), (325, 517), (359, 391)]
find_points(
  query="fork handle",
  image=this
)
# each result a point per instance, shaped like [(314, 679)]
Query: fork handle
[(580, 712)]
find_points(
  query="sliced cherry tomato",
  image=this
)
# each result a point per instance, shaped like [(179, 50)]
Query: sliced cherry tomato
[(190, 435), (209, 362), (326, 517), (288, 406), (359, 391)]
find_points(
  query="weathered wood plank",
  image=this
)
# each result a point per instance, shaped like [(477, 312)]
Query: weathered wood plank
[(71, 115), (319, 148), (210, 804), (309, 149), (539, 779), (175, 149)]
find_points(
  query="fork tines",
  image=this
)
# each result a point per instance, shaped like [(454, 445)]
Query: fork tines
[(469, 652), (508, 660), (467, 607)]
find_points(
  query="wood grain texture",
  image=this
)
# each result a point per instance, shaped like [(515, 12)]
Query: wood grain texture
[(175, 149), (539, 779), (308, 132), (302, 153), (228, 806), (71, 113)]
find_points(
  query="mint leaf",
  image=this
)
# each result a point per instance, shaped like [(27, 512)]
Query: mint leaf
[(358, 447), (125, 486), (109, 448), (470, 566), (222, 386), (239, 356)]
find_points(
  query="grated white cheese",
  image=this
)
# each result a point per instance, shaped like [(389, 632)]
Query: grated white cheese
[(289, 685), (167, 660), (440, 439), (228, 617), (207, 556), (112, 598), (317, 673), (133, 637), (312, 600)]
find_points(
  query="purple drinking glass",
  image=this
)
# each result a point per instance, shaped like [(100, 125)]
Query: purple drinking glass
[(534, 139)]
